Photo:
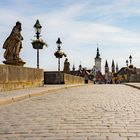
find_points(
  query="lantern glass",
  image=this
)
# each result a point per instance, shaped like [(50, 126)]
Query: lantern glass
[(58, 42)]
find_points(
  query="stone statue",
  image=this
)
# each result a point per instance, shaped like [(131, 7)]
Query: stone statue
[(66, 66), (13, 46)]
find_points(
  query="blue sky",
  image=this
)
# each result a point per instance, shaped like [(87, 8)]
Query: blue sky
[(81, 24)]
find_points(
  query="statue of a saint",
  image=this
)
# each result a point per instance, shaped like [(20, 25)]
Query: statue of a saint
[(66, 66), (13, 43)]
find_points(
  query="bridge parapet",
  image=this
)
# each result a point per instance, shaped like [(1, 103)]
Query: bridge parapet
[(17, 77), (52, 77)]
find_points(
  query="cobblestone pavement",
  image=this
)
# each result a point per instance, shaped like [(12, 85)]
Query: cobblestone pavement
[(135, 85), (13, 93), (8, 97), (93, 112)]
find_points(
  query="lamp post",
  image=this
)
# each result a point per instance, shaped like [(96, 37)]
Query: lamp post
[(38, 43), (59, 54)]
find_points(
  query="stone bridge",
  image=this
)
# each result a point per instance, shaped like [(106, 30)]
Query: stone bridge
[(90, 112)]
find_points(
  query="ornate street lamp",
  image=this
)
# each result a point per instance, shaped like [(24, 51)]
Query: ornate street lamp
[(38, 43), (59, 54)]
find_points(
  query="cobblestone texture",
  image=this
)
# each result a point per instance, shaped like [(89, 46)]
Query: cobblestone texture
[(94, 112), (13, 93)]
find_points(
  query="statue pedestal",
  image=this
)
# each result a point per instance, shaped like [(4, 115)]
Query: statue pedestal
[(14, 62)]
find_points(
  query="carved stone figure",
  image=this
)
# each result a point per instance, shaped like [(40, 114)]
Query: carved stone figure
[(66, 66), (13, 45)]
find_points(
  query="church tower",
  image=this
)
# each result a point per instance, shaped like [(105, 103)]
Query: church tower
[(117, 68), (106, 67), (106, 72), (113, 67), (98, 61), (73, 68)]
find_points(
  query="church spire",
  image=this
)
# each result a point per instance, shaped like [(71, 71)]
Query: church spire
[(106, 64), (106, 67), (98, 54), (98, 60), (113, 63), (113, 67), (117, 68), (73, 68)]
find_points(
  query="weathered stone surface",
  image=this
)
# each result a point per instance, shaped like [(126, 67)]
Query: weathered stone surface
[(70, 79), (99, 112), (53, 78), (135, 78), (14, 62), (15, 77)]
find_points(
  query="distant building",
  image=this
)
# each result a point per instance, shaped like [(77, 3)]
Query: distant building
[(129, 73), (93, 74), (107, 79), (106, 67), (125, 73), (108, 75), (82, 72), (113, 67), (97, 74), (98, 61), (73, 68), (117, 68)]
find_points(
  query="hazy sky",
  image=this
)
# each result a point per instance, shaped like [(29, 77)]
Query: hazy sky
[(81, 24)]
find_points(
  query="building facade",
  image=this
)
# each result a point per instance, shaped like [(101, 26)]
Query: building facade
[(98, 61)]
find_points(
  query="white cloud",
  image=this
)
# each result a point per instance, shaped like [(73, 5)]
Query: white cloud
[(79, 37)]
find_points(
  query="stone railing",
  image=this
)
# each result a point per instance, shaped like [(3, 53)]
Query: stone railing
[(71, 79), (16, 77), (134, 78), (53, 77)]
